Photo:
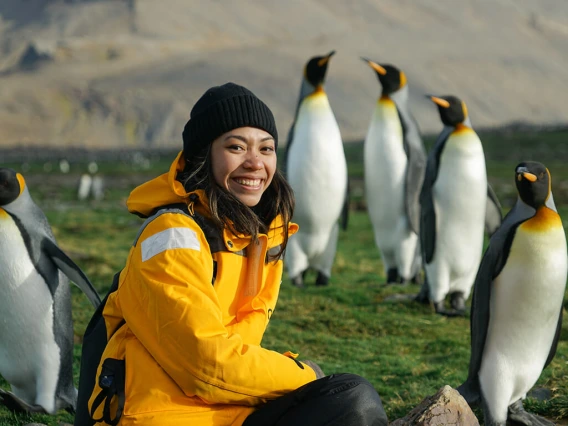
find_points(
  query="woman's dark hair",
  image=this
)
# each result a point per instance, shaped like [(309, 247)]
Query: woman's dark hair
[(228, 211)]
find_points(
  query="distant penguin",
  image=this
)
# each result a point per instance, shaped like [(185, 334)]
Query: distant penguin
[(90, 184), (317, 171), (93, 167), (36, 331), (395, 160), (516, 314), (64, 166), (84, 187), (98, 188), (453, 206)]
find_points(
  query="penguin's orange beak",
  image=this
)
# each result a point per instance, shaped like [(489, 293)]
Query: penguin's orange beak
[(439, 101), (376, 66), (529, 176), (325, 59)]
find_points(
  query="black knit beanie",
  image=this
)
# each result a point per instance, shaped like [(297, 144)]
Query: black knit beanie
[(221, 109)]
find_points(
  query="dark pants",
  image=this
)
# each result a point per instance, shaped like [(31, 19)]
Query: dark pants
[(339, 399)]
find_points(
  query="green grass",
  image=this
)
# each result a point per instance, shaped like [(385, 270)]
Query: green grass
[(403, 348)]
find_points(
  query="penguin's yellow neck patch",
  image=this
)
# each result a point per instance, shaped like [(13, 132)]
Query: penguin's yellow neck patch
[(384, 100), (22, 183), (3, 214), (544, 220), (462, 128), (318, 92)]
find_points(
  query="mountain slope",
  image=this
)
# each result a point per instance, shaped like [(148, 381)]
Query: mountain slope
[(126, 72)]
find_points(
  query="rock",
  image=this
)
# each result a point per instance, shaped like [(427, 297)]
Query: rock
[(447, 407)]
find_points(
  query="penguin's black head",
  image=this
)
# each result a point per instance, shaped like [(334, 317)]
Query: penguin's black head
[(392, 79), (316, 68), (533, 183), (452, 109), (11, 186)]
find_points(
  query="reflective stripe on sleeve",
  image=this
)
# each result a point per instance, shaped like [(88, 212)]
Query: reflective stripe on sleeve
[(171, 238)]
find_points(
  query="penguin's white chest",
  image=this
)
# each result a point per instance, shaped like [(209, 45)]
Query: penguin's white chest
[(317, 169), (385, 165), (26, 307), (460, 193), (462, 179), (525, 304)]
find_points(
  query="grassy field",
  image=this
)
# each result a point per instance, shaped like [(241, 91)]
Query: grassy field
[(403, 348)]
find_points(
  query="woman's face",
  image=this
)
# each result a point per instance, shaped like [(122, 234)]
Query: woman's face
[(244, 162)]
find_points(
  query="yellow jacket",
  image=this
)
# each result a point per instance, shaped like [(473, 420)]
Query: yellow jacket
[(192, 347)]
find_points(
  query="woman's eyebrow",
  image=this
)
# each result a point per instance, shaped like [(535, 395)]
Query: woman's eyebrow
[(244, 139), (241, 138)]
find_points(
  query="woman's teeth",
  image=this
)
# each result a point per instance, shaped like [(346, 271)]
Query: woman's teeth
[(249, 182)]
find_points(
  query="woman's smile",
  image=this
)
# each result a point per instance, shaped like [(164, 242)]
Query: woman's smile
[(252, 184)]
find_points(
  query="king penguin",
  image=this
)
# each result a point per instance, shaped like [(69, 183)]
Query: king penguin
[(516, 313), (453, 205), (395, 160), (317, 172), (36, 331)]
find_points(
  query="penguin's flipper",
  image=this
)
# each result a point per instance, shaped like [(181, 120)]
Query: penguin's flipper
[(492, 263), (13, 403), (427, 221), (427, 210), (286, 154), (73, 272), (493, 215), (305, 89), (413, 184), (345, 210), (416, 156)]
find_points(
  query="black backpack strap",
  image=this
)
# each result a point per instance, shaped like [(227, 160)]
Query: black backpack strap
[(111, 382), (94, 343)]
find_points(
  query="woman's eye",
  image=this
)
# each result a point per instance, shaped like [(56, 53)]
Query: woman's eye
[(268, 149), (236, 148)]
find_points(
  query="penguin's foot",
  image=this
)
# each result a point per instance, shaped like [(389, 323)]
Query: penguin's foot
[(441, 309), (518, 416), (322, 279), (13, 403), (393, 277), (298, 281), (417, 279), (457, 302), (422, 297)]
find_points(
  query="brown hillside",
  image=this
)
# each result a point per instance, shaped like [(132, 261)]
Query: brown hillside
[(126, 72)]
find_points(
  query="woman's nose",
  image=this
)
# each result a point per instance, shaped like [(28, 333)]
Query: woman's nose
[(253, 161)]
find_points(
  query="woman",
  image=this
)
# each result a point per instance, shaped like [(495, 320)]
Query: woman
[(191, 308)]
